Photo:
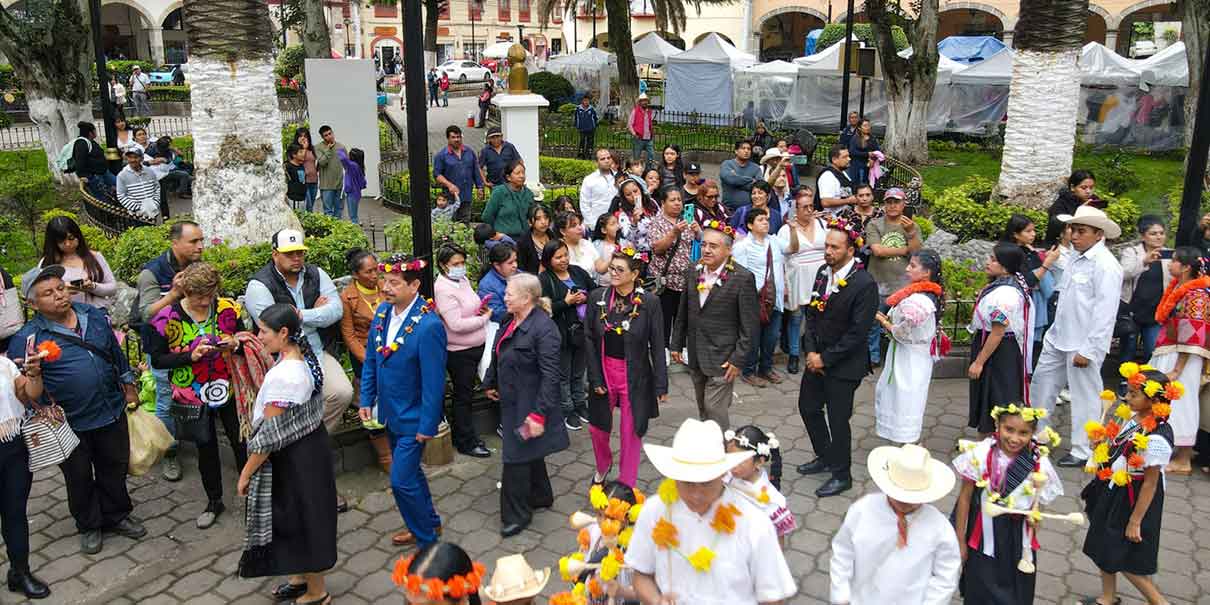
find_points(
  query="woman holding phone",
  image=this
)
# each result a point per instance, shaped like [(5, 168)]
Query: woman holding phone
[(194, 338), (672, 239), (18, 388), (87, 274), (465, 317), (567, 286), (1144, 275)]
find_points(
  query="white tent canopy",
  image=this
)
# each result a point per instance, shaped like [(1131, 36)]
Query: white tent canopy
[(824, 62), (699, 79), (653, 50), (996, 69), (499, 50), (1100, 66), (1169, 67), (589, 70)]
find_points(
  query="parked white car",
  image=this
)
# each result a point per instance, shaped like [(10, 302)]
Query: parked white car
[(465, 71)]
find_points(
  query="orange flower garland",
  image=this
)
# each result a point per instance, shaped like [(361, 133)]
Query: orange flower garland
[(1174, 293), (913, 288), (665, 535), (584, 539), (567, 598), (724, 519), (436, 589)]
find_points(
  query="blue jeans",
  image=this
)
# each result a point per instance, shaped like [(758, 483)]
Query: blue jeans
[(312, 194), (411, 488), (760, 358), (791, 340), (352, 199), (638, 146), (1130, 346), (859, 172), (163, 398), (333, 204)]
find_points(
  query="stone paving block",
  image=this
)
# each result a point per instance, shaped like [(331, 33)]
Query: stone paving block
[(377, 502), (102, 573), (232, 587), (368, 561), (193, 584), (339, 583), (152, 586), (375, 586)]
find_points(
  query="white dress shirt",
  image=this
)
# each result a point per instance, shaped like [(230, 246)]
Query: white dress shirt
[(596, 193), (397, 319), (709, 279), (1090, 287), (748, 567), (835, 276), (868, 567)]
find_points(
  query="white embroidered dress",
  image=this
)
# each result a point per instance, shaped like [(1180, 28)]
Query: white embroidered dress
[(903, 387)]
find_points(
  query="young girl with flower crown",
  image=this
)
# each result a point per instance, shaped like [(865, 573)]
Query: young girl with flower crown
[(596, 569), (1127, 490), (750, 479), (1012, 470)]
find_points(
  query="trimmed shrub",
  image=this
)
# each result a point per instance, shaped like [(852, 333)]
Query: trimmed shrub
[(168, 92), (122, 69), (834, 32), (399, 239), (554, 87), (7, 80), (290, 62)]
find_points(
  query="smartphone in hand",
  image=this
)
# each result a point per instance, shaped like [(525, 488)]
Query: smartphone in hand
[(689, 214), (484, 301)]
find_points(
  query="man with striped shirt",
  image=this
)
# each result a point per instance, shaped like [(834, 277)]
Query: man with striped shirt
[(138, 188)]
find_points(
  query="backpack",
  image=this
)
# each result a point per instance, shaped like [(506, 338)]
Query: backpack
[(64, 162)]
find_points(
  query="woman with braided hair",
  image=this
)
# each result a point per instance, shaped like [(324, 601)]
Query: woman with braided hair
[(288, 481), (912, 321), (1002, 333)]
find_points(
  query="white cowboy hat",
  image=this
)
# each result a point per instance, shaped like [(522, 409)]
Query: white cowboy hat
[(514, 579), (697, 454), (909, 474), (1093, 217), (772, 153)]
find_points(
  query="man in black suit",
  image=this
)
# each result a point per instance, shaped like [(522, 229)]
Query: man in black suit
[(717, 318), (838, 322)]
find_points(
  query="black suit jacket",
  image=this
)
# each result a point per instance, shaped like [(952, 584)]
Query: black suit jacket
[(840, 332), (722, 329)]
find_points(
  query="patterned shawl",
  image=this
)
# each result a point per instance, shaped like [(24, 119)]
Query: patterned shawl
[(248, 369)]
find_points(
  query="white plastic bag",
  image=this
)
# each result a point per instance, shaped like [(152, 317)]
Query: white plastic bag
[(486, 360)]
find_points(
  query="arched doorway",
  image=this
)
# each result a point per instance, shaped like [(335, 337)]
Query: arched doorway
[(1138, 24), (969, 22), (124, 32), (698, 39), (1096, 29), (176, 49), (783, 34)]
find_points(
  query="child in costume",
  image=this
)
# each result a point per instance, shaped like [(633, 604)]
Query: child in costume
[(1011, 470), (750, 479), (440, 572), (596, 569), (1129, 454)]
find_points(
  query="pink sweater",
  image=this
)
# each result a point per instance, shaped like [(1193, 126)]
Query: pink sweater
[(458, 306)]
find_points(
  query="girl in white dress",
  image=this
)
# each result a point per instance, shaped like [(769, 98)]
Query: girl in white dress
[(751, 481), (903, 388)]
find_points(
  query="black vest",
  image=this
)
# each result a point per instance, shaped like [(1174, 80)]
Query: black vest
[(846, 185), (272, 280)]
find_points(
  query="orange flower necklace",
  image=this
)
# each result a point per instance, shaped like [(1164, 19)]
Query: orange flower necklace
[(926, 286), (1174, 293), (436, 589)]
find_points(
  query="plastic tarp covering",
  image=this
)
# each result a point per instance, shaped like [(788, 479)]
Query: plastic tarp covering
[(812, 39), (816, 101), (1100, 66), (969, 49), (653, 50), (1126, 116), (1169, 67), (589, 70), (768, 86), (699, 79)]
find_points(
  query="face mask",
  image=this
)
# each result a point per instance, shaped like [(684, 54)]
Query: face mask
[(457, 273)]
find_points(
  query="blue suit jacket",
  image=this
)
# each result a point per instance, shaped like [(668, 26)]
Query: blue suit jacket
[(409, 385)]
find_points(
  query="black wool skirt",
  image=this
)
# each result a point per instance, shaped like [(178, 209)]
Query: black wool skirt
[(1000, 384), (1109, 511), (304, 511), (996, 580)]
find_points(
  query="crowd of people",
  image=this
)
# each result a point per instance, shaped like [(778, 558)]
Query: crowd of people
[(581, 309)]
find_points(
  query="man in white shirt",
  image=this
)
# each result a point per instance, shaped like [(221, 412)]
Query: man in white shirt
[(895, 547), (598, 190), (138, 91), (1077, 342), (740, 563), (835, 189)]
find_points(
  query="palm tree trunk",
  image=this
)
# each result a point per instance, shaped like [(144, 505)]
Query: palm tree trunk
[(1043, 100), (1195, 30), (240, 188), (432, 9)]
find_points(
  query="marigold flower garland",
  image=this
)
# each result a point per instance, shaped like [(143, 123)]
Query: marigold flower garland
[(1109, 435), (666, 536), (614, 518), (927, 287), (436, 589), (1173, 295), (724, 273), (385, 349), (636, 301)]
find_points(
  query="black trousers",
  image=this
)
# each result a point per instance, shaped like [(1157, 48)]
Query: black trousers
[(209, 464), (826, 405), (95, 475), (483, 114), (670, 303), (524, 487), (463, 367), (15, 480), (587, 143)]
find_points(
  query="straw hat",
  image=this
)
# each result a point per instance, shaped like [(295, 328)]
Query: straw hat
[(1093, 217), (772, 153), (697, 454), (514, 579), (909, 474)]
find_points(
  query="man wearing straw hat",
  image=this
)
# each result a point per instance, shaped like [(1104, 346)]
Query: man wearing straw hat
[(895, 547), (699, 542), (1077, 342), (514, 582)]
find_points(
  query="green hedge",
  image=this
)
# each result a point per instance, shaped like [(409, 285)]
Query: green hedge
[(399, 238), (168, 92), (122, 69), (834, 32), (6, 77), (554, 87)]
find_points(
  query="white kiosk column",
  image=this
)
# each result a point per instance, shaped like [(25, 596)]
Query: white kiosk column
[(519, 117)]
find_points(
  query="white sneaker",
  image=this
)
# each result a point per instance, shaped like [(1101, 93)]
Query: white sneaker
[(1063, 398)]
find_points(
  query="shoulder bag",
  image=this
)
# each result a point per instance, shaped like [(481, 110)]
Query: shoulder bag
[(47, 436), (768, 291), (657, 284), (12, 316)]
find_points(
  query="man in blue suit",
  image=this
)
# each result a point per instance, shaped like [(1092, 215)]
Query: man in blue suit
[(404, 373)]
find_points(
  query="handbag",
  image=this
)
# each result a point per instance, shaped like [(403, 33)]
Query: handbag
[(12, 316), (659, 283), (47, 436), (768, 290)]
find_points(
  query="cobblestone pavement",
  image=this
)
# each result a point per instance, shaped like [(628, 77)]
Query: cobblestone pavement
[(177, 563)]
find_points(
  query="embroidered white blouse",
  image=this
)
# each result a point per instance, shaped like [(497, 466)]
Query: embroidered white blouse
[(972, 463)]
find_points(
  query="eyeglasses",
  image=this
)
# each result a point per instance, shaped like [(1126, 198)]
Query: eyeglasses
[(618, 269), (712, 197)]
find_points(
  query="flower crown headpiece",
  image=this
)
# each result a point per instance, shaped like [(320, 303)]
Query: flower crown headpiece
[(847, 228), (402, 265), (616, 509), (718, 225), (761, 449), (436, 589), (1027, 413), (632, 252), (1136, 376)]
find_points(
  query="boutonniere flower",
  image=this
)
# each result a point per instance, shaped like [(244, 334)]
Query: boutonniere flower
[(626, 324), (841, 282)]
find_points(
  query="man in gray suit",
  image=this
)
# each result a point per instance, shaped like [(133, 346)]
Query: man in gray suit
[(717, 317)]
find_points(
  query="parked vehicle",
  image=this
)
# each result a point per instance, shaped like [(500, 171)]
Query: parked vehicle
[(465, 71), (1142, 49), (168, 74)]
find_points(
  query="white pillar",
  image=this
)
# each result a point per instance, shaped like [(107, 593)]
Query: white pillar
[(1111, 39), (156, 37), (1008, 39), (519, 121)]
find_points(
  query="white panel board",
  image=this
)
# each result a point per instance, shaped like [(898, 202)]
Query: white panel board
[(341, 94)]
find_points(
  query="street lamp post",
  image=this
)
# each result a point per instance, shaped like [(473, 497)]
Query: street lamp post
[(848, 65), (103, 88), (471, 55), (418, 152)]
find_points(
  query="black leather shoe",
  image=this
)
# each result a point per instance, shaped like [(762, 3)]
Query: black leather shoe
[(1070, 461), (792, 365), (24, 582), (512, 529), (813, 467), (129, 528), (834, 486), (478, 452), (90, 542)]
